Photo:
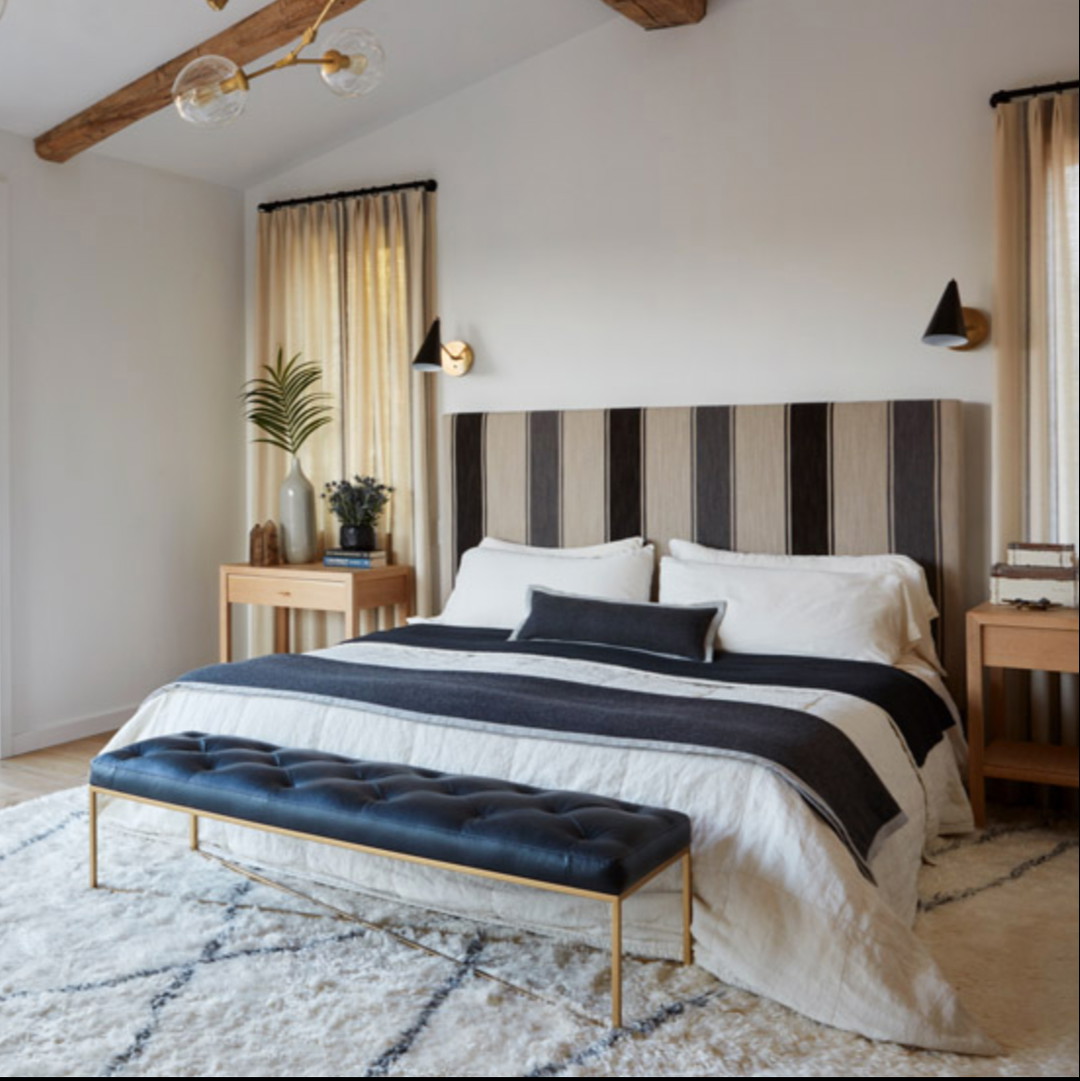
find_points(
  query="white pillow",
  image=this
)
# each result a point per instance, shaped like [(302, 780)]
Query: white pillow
[(921, 607), (857, 617), (492, 585), (589, 551)]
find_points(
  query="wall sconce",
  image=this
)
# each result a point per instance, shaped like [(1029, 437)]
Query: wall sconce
[(454, 358), (955, 326)]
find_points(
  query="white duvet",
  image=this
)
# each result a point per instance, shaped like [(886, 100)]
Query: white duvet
[(780, 906)]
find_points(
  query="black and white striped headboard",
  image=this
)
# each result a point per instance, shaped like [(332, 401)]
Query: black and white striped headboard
[(830, 478)]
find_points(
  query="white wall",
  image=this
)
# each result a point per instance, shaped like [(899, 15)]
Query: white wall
[(5, 477), (126, 358), (763, 207)]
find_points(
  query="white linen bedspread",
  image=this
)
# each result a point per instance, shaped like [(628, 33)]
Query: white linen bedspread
[(780, 907)]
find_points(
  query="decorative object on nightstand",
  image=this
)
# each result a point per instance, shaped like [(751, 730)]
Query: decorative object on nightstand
[(287, 411), (296, 500), (356, 558), (318, 588), (1034, 574), (1000, 637), (357, 505), (264, 549)]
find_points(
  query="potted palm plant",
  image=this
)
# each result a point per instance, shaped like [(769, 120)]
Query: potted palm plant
[(287, 411)]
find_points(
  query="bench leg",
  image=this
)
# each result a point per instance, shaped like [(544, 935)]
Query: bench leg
[(193, 833), (93, 839), (616, 963), (687, 909)]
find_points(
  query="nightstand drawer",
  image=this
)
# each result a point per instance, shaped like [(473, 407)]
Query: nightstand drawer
[(1048, 649), (288, 593)]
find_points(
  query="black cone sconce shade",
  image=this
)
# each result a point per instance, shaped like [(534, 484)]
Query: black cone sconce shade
[(454, 358), (955, 326), (429, 359)]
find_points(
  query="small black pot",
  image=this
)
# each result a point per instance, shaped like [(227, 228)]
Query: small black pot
[(357, 538)]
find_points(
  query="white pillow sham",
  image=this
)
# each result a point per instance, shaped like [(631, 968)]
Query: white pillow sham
[(920, 605), (492, 585), (588, 551), (857, 617)]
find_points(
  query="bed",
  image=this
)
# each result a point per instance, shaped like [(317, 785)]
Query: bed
[(795, 897)]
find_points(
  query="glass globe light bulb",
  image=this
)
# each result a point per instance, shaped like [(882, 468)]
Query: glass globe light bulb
[(210, 92), (354, 62)]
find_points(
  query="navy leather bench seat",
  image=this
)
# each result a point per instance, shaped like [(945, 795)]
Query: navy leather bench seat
[(569, 841)]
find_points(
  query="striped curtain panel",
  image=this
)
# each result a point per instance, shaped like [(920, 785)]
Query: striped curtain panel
[(348, 283)]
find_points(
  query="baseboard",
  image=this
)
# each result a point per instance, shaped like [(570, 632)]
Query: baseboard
[(25, 742)]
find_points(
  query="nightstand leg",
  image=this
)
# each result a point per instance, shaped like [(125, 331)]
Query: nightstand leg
[(224, 623), (994, 705), (281, 630), (975, 718), (352, 612)]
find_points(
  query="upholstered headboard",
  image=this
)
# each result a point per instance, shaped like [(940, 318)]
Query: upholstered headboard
[(844, 478)]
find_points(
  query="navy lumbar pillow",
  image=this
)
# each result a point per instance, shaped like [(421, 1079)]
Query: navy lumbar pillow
[(686, 631)]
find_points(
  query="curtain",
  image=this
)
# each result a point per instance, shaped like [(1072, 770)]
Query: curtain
[(1036, 476), (348, 283), (1036, 469)]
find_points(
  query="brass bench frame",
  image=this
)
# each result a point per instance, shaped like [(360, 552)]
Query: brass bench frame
[(615, 900)]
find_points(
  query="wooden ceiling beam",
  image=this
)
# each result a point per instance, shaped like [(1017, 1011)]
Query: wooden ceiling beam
[(660, 14), (272, 27)]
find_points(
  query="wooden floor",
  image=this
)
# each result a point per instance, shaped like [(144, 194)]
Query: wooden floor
[(41, 772)]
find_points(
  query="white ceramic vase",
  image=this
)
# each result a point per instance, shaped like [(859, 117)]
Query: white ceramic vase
[(297, 505)]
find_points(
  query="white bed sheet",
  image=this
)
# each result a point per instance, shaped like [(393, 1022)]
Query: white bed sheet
[(780, 906)]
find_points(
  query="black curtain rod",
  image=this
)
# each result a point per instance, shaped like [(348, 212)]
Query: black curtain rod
[(1047, 88), (427, 185)]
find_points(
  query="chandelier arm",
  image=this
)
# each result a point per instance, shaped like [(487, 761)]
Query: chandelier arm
[(284, 62), (307, 37), (293, 57), (321, 19)]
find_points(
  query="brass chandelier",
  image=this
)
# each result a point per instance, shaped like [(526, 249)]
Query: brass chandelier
[(212, 91)]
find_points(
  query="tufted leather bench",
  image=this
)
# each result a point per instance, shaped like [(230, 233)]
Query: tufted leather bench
[(571, 842)]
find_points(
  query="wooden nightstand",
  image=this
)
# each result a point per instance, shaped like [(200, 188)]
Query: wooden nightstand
[(312, 586), (999, 637)]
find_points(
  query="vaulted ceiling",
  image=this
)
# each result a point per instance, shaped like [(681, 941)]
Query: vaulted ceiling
[(59, 57)]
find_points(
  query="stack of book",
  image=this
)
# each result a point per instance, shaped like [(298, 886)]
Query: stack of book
[(1039, 574), (353, 558)]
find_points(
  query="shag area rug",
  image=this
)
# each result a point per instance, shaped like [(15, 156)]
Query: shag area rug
[(184, 966)]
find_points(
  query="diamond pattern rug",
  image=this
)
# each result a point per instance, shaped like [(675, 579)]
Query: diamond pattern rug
[(183, 965)]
